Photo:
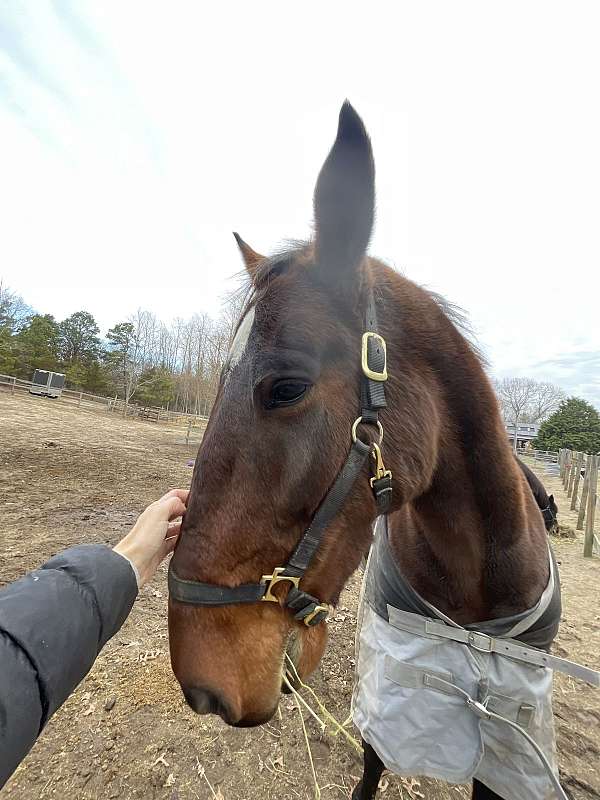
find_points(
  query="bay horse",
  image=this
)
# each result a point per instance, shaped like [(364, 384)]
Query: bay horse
[(464, 527)]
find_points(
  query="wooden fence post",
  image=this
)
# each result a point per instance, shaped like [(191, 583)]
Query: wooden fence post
[(574, 457), (584, 494), (572, 474), (561, 463), (588, 542), (189, 428), (567, 472), (578, 467), (80, 396), (14, 385)]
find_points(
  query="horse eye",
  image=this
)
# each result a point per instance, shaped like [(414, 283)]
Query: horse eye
[(285, 393)]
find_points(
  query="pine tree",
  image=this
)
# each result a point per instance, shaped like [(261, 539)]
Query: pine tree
[(156, 387), (13, 314), (576, 426), (36, 345), (79, 342)]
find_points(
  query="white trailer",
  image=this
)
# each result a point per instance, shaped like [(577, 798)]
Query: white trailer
[(47, 384)]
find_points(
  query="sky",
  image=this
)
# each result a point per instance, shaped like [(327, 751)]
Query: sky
[(136, 136)]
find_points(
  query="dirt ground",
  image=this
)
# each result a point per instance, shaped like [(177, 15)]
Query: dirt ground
[(69, 476)]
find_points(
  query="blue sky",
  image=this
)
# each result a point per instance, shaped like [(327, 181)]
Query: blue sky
[(136, 136)]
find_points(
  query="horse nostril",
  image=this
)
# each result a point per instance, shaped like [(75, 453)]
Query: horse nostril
[(203, 701), (198, 700)]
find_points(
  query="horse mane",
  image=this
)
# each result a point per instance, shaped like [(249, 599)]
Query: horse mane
[(460, 319)]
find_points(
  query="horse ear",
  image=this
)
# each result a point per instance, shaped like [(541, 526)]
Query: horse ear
[(251, 258), (551, 498), (344, 199)]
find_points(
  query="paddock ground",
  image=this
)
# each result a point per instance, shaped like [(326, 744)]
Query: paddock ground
[(69, 476)]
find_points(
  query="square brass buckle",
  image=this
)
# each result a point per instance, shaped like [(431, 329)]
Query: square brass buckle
[(273, 580), (372, 374)]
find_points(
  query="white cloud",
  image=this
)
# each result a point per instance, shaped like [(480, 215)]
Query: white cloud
[(136, 137)]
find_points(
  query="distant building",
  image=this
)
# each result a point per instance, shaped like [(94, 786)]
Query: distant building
[(525, 433)]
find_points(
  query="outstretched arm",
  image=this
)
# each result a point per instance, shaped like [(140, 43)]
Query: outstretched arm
[(55, 621)]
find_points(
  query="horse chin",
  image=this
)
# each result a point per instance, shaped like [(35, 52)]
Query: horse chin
[(253, 721)]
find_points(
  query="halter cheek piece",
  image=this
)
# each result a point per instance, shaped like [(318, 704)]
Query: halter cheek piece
[(305, 607)]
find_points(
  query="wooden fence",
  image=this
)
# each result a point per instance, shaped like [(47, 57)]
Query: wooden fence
[(11, 384), (547, 456), (579, 475)]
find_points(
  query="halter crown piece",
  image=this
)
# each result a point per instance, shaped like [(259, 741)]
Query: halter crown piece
[(305, 607)]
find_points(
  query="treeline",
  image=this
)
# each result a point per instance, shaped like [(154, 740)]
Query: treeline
[(145, 361), (141, 360), (565, 422)]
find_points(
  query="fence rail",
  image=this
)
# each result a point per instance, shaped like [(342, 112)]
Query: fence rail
[(549, 456), (9, 383)]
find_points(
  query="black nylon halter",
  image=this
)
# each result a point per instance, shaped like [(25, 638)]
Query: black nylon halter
[(549, 517), (304, 606)]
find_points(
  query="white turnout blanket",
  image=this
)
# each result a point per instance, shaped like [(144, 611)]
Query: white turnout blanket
[(436, 699)]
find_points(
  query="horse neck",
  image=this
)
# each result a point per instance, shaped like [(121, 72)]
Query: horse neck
[(469, 537)]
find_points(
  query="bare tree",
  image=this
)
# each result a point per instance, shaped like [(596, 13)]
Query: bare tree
[(515, 396), (527, 400), (546, 401), (133, 345)]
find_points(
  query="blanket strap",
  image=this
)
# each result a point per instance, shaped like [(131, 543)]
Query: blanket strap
[(483, 712), (511, 648)]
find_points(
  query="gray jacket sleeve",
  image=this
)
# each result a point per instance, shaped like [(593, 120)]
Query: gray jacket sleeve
[(53, 624)]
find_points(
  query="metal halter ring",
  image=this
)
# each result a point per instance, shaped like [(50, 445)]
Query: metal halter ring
[(357, 422)]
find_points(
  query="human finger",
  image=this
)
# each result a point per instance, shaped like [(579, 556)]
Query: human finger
[(168, 508), (173, 530), (168, 546), (182, 494)]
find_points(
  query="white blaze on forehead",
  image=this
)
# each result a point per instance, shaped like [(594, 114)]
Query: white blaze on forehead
[(236, 351)]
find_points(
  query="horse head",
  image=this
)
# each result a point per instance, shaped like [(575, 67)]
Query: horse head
[(279, 437)]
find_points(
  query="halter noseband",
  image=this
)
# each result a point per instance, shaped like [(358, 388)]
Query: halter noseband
[(305, 607)]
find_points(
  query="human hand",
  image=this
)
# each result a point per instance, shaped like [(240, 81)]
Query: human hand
[(154, 535)]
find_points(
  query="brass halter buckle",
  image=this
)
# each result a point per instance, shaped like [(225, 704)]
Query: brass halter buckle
[(379, 471), (272, 580), (317, 610), (370, 373)]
